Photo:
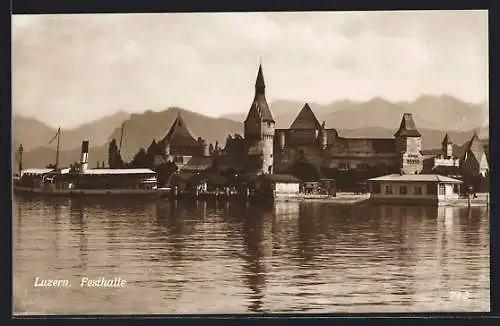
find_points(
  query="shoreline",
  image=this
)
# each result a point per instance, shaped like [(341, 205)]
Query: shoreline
[(346, 198)]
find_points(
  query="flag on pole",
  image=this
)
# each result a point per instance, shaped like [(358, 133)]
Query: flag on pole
[(57, 134)]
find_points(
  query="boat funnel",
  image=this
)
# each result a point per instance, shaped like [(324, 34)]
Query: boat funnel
[(84, 158)]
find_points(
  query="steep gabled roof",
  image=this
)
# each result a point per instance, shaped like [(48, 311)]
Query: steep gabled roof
[(407, 127), (306, 119), (474, 149), (179, 135)]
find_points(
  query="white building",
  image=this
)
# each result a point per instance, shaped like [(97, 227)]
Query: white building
[(414, 189)]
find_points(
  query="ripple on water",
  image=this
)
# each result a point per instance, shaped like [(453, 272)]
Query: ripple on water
[(211, 258)]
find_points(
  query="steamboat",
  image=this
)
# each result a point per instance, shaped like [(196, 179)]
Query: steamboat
[(80, 180)]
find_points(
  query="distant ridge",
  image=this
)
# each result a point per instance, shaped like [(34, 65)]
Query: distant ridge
[(431, 112), (374, 119), (33, 133)]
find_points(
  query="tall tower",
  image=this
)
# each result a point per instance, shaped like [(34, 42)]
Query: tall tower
[(259, 126), (408, 141), (447, 147)]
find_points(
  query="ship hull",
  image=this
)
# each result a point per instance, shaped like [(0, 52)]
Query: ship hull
[(84, 192)]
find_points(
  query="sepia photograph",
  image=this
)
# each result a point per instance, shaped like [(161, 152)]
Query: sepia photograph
[(250, 163)]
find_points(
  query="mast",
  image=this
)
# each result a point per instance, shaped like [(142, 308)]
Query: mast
[(121, 138), (57, 150), (20, 158)]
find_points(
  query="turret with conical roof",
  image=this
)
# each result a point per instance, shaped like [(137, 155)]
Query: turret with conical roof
[(259, 108), (259, 125), (447, 147), (407, 127), (408, 143)]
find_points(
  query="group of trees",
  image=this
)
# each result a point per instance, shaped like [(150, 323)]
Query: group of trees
[(115, 160)]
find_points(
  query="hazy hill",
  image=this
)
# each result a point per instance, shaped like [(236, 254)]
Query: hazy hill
[(431, 112), (33, 133), (40, 157)]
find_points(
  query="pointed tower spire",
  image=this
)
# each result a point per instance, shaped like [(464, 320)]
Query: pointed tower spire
[(260, 85), (446, 140)]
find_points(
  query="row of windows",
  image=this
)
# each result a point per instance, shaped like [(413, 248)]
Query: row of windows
[(116, 186), (412, 161), (413, 156), (359, 166), (403, 190), (417, 190)]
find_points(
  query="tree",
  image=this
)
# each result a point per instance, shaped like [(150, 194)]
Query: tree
[(140, 159), (165, 171), (113, 149), (114, 158), (151, 152)]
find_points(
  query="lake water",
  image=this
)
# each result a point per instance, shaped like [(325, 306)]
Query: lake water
[(208, 257)]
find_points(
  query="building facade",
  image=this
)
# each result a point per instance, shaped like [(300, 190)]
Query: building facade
[(414, 189), (178, 145), (308, 144), (266, 150)]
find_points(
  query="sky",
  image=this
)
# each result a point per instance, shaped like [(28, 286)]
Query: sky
[(72, 69)]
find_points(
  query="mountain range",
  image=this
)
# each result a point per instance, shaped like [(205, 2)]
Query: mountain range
[(373, 119), (432, 112), (33, 133)]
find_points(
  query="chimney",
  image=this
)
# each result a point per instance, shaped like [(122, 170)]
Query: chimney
[(84, 158), (206, 151)]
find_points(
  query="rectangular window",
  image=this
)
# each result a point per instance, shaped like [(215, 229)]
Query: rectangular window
[(441, 189), (418, 190), (388, 190), (402, 190)]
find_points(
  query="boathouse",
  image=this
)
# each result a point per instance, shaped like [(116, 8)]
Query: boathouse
[(431, 189), (276, 185)]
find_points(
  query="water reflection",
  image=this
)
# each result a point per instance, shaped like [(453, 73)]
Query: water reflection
[(209, 256)]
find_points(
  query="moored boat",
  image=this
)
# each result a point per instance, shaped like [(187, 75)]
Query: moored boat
[(80, 180)]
